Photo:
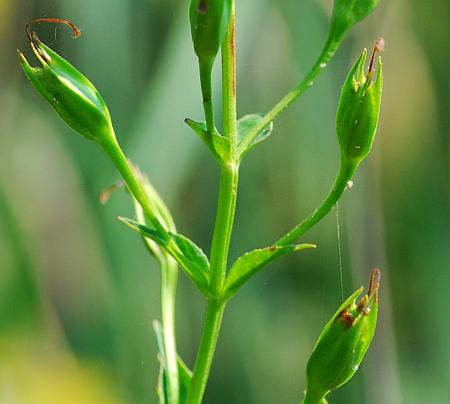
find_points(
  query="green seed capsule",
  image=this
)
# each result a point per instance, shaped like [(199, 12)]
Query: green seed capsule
[(343, 343), (209, 22), (70, 93), (358, 110)]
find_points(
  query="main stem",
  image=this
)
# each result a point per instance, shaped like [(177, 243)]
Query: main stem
[(223, 226)]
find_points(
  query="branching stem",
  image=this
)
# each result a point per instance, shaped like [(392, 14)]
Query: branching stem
[(346, 172), (324, 57), (223, 226)]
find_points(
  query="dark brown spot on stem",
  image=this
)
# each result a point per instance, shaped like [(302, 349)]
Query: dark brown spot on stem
[(202, 7), (233, 51)]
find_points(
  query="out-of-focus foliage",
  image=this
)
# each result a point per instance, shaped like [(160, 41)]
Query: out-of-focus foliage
[(78, 293)]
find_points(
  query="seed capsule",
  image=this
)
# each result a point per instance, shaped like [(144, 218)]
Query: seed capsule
[(358, 110), (209, 22), (343, 343), (69, 92)]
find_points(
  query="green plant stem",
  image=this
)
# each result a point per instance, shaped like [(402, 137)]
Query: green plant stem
[(312, 397), (169, 275), (205, 67), (327, 53), (346, 172), (223, 226), (215, 307), (208, 342), (229, 84), (169, 271), (113, 150)]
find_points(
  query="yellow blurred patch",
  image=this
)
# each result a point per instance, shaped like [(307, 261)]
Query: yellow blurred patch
[(35, 373)]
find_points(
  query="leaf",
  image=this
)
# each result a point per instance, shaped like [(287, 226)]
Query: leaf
[(217, 144), (244, 126), (247, 265), (185, 377), (184, 373), (188, 255), (192, 253)]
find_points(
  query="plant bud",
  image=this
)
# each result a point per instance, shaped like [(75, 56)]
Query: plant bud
[(343, 343), (347, 13), (358, 110), (70, 93), (209, 21)]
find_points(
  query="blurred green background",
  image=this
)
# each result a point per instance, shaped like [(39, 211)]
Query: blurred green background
[(78, 290)]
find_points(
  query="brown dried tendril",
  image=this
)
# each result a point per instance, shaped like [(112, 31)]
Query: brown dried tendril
[(75, 31)]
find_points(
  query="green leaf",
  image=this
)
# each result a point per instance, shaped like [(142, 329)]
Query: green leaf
[(193, 254), (217, 144), (247, 265), (188, 255), (185, 376), (244, 126), (184, 373)]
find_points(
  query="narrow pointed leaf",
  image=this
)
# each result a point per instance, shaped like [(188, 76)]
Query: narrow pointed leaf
[(245, 124), (250, 263), (185, 376), (192, 252), (188, 255), (216, 143)]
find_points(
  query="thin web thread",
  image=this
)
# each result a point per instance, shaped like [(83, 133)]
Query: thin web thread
[(338, 230)]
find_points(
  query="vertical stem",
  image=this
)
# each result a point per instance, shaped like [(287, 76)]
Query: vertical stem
[(229, 82), (208, 342), (169, 275), (223, 226)]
